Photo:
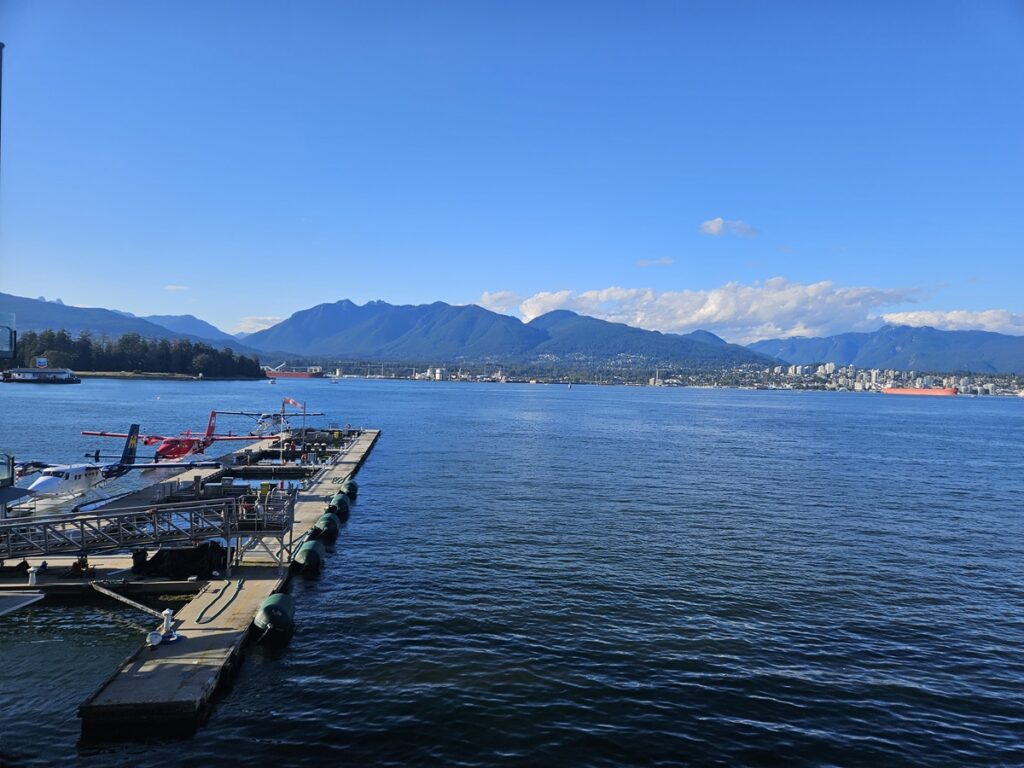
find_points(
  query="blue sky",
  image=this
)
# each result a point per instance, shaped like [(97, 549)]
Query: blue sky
[(752, 168)]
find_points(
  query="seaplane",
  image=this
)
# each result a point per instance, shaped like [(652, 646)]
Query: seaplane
[(75, 479), (271, 423), (178, 447)]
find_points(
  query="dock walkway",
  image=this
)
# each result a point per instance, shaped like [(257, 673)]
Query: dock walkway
[(170, 688)]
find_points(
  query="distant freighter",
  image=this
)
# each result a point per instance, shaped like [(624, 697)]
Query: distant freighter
[(934, 392)]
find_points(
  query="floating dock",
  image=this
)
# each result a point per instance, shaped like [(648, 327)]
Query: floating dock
[(168, 689), (171, 687)]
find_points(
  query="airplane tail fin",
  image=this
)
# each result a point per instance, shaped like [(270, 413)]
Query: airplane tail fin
[(128, 454), (211, 425)]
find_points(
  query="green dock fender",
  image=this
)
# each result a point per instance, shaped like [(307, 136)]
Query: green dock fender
[(339, 505), (351, 489), (309, 560), (327, 527), (275, 619)]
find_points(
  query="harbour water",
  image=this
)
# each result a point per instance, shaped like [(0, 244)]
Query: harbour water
[(594, 576)]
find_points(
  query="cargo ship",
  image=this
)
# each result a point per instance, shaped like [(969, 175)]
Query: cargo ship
[(312, 372), (931, 391)]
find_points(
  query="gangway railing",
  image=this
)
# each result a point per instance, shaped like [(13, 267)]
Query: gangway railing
[(144, 527)]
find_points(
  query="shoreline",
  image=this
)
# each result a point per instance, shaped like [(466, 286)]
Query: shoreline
[(157, 376), (129, 376)]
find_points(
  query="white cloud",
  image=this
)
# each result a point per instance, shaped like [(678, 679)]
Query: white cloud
[(544, 302), (998, 320), (505, 302), (741, 313), (176, 288), (253, 324), (713, 227), (719, 226), (775, 308), (741, 228), (665, 261)]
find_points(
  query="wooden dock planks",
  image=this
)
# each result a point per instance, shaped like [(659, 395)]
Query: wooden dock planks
[(173, 684)]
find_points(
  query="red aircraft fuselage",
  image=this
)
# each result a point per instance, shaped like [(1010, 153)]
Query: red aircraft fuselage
[(171, 448)]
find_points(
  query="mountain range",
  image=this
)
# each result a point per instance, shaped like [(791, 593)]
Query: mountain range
[(907, 348), (40, 315), (442, 332), (381, 331), (191, 326)]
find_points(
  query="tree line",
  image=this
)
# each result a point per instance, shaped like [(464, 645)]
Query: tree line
[(131, 352)]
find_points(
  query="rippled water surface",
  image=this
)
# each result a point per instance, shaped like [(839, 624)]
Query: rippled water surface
[(596, 576)]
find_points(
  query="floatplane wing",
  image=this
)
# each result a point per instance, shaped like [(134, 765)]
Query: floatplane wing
[(146, 439), (26, 468), (150, 439)]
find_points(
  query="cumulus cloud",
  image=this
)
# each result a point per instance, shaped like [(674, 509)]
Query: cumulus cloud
[(176, 288), (775, 308), (741, 313), (998, 320), (505, 302), (713, 227), (253, 324), (720, 226), (665, 261)]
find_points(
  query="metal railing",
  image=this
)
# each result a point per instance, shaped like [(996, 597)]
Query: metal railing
[(146, 527)]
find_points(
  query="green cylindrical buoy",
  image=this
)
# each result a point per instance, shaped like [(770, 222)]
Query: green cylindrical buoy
[(339, 505), (275, 619), (327, 527), (309, 560), (351, 489)]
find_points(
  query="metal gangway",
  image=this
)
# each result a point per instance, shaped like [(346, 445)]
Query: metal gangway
[(149, 527)]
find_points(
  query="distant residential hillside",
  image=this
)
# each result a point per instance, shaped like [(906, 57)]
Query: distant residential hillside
[(905, 348), (39, 315), (571, 336), (381, 331)]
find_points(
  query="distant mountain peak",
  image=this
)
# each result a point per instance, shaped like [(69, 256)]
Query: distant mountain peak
[(556, 313), (191, 325), (707, 337)]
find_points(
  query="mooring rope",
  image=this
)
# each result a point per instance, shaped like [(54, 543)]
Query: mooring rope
[(238, 588)]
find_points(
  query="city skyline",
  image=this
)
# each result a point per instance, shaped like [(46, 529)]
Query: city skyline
[(755, 172)]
